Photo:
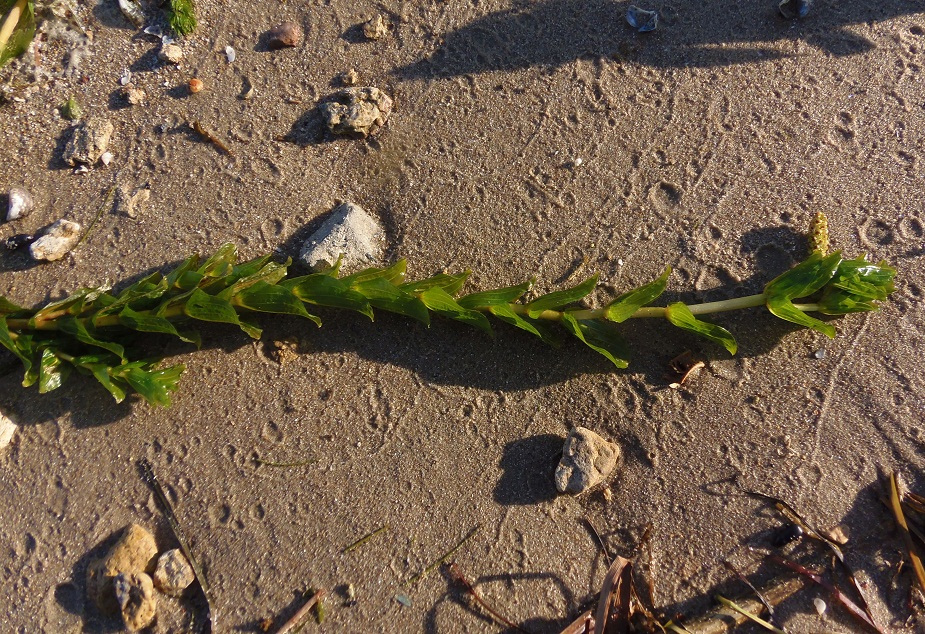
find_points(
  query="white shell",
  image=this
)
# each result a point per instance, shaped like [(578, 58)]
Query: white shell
[(132, 11), (819, 605), (230, 54), (106, 158), (20, 203)]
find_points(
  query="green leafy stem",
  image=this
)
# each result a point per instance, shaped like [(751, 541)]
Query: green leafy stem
[(94, 331)]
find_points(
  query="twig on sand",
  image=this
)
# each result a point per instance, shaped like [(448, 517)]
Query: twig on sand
[(149, 477), (293, 624), (458, 576), (416, 578), (211, 138)]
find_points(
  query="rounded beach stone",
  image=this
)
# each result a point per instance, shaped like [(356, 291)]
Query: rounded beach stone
[(173, 574), (286, 35), (20, 203), (586, 460), (137, 601), (135, 552)]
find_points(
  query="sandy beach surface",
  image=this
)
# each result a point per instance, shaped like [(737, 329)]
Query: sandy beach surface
[(544, 139)]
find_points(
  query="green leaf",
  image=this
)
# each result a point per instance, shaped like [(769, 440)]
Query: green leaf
[(682, 317), (599, 336), (448, 282), (782, 307), (76, 328), (187, 265), (496, 296), (268, 298), (505, 313), (394, 274), (149, 323), (73, 304), (221, 263), (99, 369), (181, 15), (323, 290), (16, 346), (246, 275), (52, 371), (384, 295), (805, 278), (154, 386), (442, 303), (558, 299), (251, 329), (7, 307), (856, 285), (623, 307), (205, 307), (22, 33), (150, 288)]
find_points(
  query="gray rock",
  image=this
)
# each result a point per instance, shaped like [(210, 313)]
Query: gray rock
[(89, 141), (356, 112), (137, 601), (173, 574), (586, 460), (135, 552), (349, 232), (20, 204), (56, 242)]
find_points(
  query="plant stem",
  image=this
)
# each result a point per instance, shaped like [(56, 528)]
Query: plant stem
[(10, 22)]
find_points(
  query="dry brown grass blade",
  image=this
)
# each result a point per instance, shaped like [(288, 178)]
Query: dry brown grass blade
[(457, 575), (837, 594), (613, 608), (721, 620), (904, 527), (584, 624), (297, 620)]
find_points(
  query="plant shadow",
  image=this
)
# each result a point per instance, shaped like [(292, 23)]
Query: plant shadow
[(704, 34)]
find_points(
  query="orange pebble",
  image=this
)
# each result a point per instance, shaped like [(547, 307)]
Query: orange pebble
[(196, 85)]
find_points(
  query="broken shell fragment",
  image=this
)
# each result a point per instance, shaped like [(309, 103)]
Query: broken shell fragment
[(132, 12), (641, 19), (230, 54), (20, 204)]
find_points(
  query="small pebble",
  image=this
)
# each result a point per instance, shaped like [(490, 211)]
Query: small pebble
[(196, 85), (20, 204), (820, 606), (173, 574), (286, 35), (137, 601), (106, 158), (350, 78), (230, 54), (786, 534), (56, 241), (350, 233), (135, 552), (170, 53), (819, 354), (404, 599), (125, 77), (134, 96), (7, 429), (587, 459), (88, 142), (375, 28)]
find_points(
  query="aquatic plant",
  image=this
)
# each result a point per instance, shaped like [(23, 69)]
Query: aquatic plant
[(94, 331)]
